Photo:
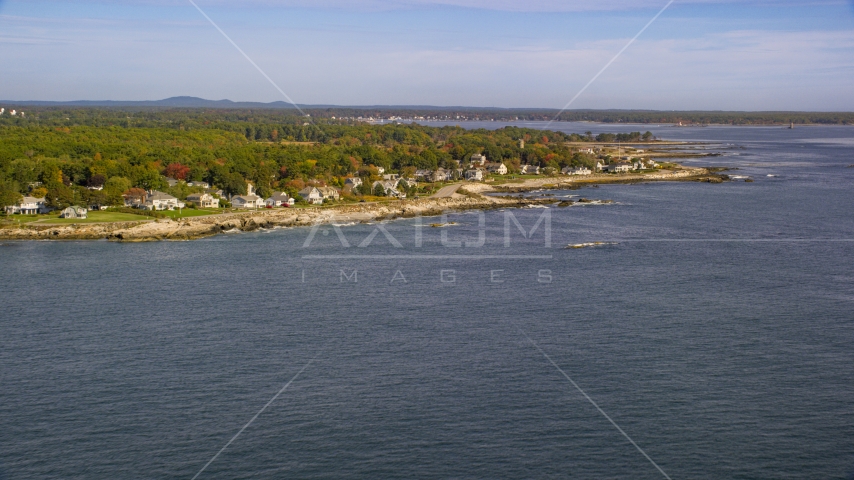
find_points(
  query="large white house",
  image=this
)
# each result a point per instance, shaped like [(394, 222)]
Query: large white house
[(28, 206), (474, 175), (203, 200), (497, 168), (160, 201), (247, 201), (621, 167), (576, 171), (530, 169), (250, 200), (311, 195), (329, 193)]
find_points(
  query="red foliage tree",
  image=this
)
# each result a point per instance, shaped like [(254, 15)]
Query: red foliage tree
[(176, 171)]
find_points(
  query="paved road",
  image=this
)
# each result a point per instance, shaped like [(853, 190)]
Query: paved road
[(447, 191)]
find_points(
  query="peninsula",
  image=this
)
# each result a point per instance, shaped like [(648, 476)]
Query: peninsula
[(177, 174)]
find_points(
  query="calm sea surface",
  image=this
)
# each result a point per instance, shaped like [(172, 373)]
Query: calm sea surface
[(718, 333)]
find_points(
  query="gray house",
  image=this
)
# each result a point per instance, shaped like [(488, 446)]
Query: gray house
[(74, 212)]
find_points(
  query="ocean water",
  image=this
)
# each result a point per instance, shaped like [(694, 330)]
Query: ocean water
[(715, 329)]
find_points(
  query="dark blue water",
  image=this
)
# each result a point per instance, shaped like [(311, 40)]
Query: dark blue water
[(717, 333)]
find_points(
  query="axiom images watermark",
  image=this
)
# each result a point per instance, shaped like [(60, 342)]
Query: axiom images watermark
[(412, 247)]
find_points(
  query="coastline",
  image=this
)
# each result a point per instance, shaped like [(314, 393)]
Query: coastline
[(199, 227)]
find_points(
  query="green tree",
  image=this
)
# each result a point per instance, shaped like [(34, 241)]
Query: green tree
[(9, 194)]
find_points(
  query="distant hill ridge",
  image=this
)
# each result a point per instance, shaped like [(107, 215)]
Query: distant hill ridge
[(196, 102)]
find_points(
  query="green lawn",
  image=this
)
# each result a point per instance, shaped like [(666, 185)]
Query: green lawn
[(189, 212), (92, 217)]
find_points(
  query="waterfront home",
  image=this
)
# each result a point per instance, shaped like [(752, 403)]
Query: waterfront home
[(203, 200), (311, 195), (74, 212), (441, 175), (530, 169), (497, 168), (329, 193), (478, 160), (160, 201), (576, 171), (133, 200), (28, 206), (621, 167), (280, 199), (389, 188), (247, 201), (474, 175)]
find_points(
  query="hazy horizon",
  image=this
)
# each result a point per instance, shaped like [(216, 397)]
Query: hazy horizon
[(699, 55)]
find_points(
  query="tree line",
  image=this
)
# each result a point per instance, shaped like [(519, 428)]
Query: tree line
[(79, 155)]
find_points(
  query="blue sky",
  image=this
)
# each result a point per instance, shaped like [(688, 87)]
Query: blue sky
[(700, 54)]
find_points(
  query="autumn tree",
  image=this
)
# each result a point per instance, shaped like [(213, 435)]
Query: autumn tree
[(176, 171)]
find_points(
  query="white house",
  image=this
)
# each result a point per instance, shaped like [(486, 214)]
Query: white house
[(389, 188), (474, 175), (203, 200), (353, 182), (576, 171), (198, 184), (329, 193), (621, 167), (161, 201), (28, 206), (280, 199), (441, 175), (478, 159), (530, 169), (247, 201), (311, 195), (74, 212), (497, 168)]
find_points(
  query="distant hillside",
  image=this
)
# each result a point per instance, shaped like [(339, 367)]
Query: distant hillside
[(460, 113)]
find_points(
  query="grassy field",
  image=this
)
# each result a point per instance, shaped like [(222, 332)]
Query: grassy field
[(189, 212), (93, 217)]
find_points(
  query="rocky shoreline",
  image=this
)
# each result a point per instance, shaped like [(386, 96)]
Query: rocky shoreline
[(205, 226)]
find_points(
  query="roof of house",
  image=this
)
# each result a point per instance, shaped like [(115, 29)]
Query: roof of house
[(327, 190), (247, 198), (279, 196), (32, 200), (155, 195), (307, 191)]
